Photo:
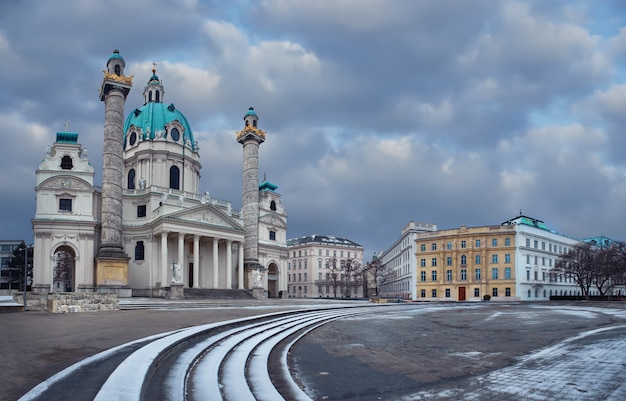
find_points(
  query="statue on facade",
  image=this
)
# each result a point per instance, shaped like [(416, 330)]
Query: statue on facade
[(257, 278), (177, 276)]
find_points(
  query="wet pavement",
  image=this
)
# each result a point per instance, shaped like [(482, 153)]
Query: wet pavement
[(410, 352)]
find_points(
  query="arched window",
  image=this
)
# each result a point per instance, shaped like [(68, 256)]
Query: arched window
[(254, 123), (131, 179), (139, 251), (273, 205), (118, 70), (149, 96), (66, 163), (158, 96), (174, 177)]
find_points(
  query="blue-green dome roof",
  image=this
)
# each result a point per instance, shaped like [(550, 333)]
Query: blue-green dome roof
[(116, 54), (152, 118), (251, 112)]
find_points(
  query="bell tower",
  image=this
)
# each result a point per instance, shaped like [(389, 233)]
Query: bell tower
[(251, 138), (111, 260)]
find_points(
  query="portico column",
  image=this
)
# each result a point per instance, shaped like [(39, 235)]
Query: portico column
[(196, 261), (215, 261), (181, 250), (164, 259), (229, 264), (240, 269)]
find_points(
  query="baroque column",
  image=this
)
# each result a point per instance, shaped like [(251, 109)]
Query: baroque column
[(251, 137), (111, 260)]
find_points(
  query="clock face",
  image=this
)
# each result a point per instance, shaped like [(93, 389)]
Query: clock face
[(175, 134), (133, 138)]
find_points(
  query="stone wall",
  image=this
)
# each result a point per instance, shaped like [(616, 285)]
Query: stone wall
[(66, 302)]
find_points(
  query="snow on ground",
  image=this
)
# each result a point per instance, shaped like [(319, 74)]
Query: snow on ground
[(572, 370)]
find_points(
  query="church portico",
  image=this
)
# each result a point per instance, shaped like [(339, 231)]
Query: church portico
[(206, 261)]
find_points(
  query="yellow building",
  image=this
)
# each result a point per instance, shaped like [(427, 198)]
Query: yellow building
[(466, 264)]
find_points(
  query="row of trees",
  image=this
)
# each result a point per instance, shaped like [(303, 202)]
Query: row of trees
[(595, 267), (349, 273)]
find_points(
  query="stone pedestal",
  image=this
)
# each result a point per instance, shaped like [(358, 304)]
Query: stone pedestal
[(176, 291), (112, 276), (259, 293)]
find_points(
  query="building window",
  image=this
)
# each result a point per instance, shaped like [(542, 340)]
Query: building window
[(423, 262), (141, 210), (463, 260), (447, 293), (305, 263), (536, 243), (477, 259), (305, 279), (434, 293), (463, 274), (494, 258), (423, 293), (423, 247), (273, 205), (507, 292), (65, 205), (528, 275), (507, 241), (463, 244), (433, 262), (494, 273), (477, 243), (433, 246), (131, 179), (66, 163), (423, 276), (272, 235), (507, 258), (139, 250), (449, 261), (449, 245), (299, 276), (543, 245), (477, 274), (174, 134), (449, 275), (507, 273), (433, 275), (494, 292), (494, 242), (174, 177), (476, 292)]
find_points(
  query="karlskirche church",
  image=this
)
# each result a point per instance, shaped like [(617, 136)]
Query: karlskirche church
[(148, 230)]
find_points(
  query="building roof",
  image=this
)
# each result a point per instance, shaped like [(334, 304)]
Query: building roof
[(321, 239), (527, 221)]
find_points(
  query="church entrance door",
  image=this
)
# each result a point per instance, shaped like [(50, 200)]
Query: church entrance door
[(63, 270), (272, 281)]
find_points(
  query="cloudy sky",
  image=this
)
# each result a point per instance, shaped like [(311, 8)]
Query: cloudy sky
[(377, 112)]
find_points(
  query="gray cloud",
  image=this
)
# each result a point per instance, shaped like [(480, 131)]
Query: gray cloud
[(377, 113)]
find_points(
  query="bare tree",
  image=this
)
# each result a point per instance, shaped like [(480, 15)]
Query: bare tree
[(352, 273), (579, 263), (333, 274), (379, 273)]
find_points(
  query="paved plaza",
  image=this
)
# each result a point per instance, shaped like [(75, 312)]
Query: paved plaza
[(406, 352)]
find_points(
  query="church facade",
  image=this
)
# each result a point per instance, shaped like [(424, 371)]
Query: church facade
[(149, 228)]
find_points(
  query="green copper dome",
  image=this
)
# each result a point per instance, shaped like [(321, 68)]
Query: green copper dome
[(156, 120), (152, 119)]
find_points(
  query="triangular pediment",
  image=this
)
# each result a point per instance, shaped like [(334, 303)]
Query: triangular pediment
[(206, 215)]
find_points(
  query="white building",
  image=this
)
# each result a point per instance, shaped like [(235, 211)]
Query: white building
[(537, 250), (400, 262), (310, 271), (171, 231)]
